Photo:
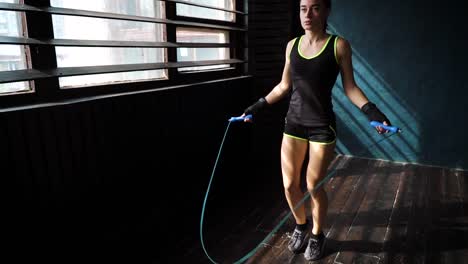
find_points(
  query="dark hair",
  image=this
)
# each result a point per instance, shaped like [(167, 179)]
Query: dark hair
[(327, 5)]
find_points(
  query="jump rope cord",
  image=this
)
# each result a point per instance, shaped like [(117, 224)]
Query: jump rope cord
[(285, 218), (207, 192)]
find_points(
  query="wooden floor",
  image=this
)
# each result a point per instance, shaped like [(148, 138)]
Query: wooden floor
[(379, 212)]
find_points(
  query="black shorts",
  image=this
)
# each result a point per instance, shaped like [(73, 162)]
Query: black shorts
[(318, 134)]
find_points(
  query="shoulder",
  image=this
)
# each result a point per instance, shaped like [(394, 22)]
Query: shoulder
[(290, 46), (342, 48), (342, 45), (291, 43)]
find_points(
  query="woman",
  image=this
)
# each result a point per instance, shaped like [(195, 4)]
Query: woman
[(313, 62)]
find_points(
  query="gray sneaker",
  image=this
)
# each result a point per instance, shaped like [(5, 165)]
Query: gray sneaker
[(298, 240), (315, 248)]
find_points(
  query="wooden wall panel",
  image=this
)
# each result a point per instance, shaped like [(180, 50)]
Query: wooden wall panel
[(118, 172)]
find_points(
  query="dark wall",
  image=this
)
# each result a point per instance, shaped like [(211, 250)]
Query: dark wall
[(119, 178), (408, 59), (269, 32)]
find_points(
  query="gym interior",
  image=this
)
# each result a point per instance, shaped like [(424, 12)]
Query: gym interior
[(116, 144)]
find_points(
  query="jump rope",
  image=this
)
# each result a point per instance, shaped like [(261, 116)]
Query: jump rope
[(375, 124)]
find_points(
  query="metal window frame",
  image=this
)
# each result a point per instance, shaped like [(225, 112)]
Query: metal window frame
[(205, 6), (108, 43), (34, 74), (107, 15), (45, 72)]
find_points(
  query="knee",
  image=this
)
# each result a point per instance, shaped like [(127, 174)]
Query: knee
[(291, 187), (313, 187)]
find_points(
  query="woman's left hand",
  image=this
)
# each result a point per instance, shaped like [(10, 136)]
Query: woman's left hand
[(382, 130)]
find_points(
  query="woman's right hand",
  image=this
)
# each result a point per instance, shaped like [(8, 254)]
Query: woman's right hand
[(249, 120), (256, 107)]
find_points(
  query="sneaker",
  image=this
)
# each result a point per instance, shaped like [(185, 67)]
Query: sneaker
[(298, 240), (315, 248)]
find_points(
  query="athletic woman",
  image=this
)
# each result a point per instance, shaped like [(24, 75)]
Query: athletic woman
[(313, 62)]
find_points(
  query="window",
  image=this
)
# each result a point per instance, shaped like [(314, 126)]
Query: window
[(124, 45), (201, 54), (87, 28), (13, 57), (195, 35), (201, 12)]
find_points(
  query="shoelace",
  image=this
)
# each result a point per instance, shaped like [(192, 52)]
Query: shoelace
[(296, 234), (314, 246)]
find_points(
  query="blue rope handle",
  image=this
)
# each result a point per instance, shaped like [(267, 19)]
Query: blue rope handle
[(239, 118), (394, 129)]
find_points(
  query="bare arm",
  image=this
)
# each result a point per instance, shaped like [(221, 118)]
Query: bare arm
[(278, 92), (281, 89), (352, 91)]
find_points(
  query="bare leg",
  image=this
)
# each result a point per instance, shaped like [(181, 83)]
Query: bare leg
[(320, 157), (293, 152)]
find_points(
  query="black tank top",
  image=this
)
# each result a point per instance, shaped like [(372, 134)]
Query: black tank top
[(313, 79)]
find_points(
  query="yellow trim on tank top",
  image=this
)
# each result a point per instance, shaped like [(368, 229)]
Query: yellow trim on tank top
[(294, 42), (334, 50), (316, 55), (334, 132)]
